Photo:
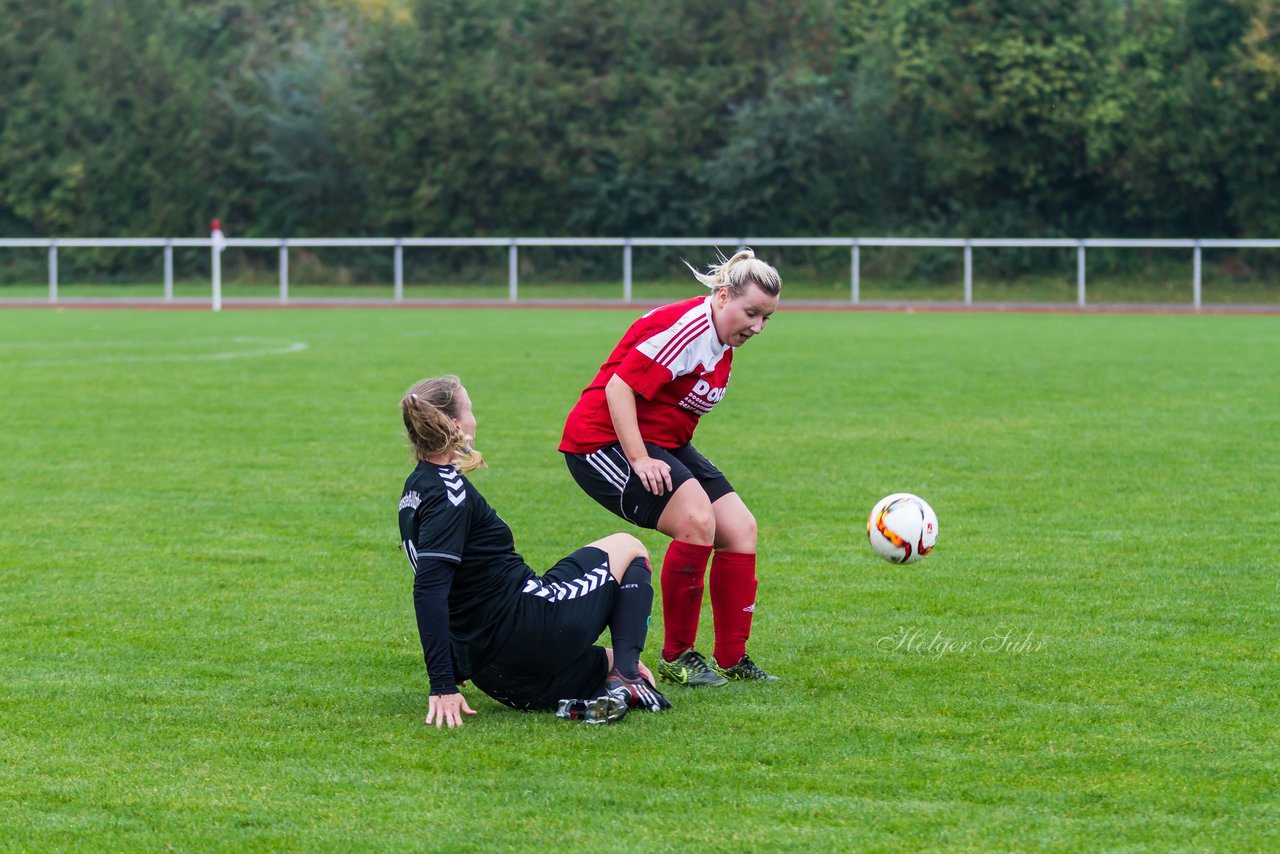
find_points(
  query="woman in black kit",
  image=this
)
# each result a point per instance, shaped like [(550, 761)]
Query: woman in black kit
[(485, 616)]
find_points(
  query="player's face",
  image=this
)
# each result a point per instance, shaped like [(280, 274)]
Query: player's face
[(465, 419), (739, 318)]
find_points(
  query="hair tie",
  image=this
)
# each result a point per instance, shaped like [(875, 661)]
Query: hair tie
[(414, 396)]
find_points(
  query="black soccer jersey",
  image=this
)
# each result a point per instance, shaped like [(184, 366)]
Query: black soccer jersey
[(461, 551)]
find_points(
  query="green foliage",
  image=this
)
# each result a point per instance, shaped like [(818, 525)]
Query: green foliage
[(443, 117), (993, 96), (1251, 86), (1159, 135), (807, 158), (307, 155), (1188, 103), (121, 122)]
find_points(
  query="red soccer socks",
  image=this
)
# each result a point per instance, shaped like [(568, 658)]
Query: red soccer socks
[(683, 570), (733, 602)]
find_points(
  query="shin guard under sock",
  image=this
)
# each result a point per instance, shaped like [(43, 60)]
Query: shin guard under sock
[(629, 620), (733, 602), (683, 570)]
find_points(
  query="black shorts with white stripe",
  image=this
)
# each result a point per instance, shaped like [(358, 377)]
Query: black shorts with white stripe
[(606, 476), (551, 654)]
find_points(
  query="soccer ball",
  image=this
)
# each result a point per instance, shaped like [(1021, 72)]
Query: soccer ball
[(902, 528)]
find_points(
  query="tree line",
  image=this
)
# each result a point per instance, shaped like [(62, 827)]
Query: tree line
[(575, 117)]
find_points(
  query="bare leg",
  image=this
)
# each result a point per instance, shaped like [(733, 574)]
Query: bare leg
[(735, 526), (688, 516)]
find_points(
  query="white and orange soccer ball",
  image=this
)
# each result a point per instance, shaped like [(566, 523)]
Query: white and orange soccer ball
[(902, 528)]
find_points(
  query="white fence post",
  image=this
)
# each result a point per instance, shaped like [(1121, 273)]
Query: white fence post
[(1080, 273), (1195, 285), (215, 253), (284, 270), (216, 261), (53, 271), (626, 271), (513, 271), (168, 269), (217, 243), (399, 270), (968, 272), (856, 274)]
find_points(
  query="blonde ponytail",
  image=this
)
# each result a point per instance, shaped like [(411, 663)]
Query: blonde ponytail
[(429, 409), (738, 273)]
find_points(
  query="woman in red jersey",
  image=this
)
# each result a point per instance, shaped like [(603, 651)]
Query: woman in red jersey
[(627, 443)]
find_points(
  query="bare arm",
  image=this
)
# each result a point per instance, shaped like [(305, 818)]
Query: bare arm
[(655, 475)]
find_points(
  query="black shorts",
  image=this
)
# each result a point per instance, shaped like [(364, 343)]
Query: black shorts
[(606, 476), (551, 654)]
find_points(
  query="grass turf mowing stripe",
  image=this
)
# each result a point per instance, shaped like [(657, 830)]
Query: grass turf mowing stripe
[(208, 638)]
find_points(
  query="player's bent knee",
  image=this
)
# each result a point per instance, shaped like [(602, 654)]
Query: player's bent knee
[(736, 528), (736, 541), (622, 549), (737, 535), (689, 516), (627, 544), (698, 525), (631, 546), (743, 523)]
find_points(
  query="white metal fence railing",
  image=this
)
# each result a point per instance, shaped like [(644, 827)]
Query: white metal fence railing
[(216, 244)]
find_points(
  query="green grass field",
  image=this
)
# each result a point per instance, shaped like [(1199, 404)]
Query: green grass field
[(207, 640)]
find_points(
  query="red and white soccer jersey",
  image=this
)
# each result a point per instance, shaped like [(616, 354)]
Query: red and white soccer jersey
[(678, 368)]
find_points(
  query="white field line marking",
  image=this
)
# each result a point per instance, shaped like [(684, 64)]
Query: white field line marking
[(271, 347)]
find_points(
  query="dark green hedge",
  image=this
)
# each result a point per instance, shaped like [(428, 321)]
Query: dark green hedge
[(575, 117)]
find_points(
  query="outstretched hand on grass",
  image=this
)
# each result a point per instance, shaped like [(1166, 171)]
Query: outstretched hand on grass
[(447, 709)]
